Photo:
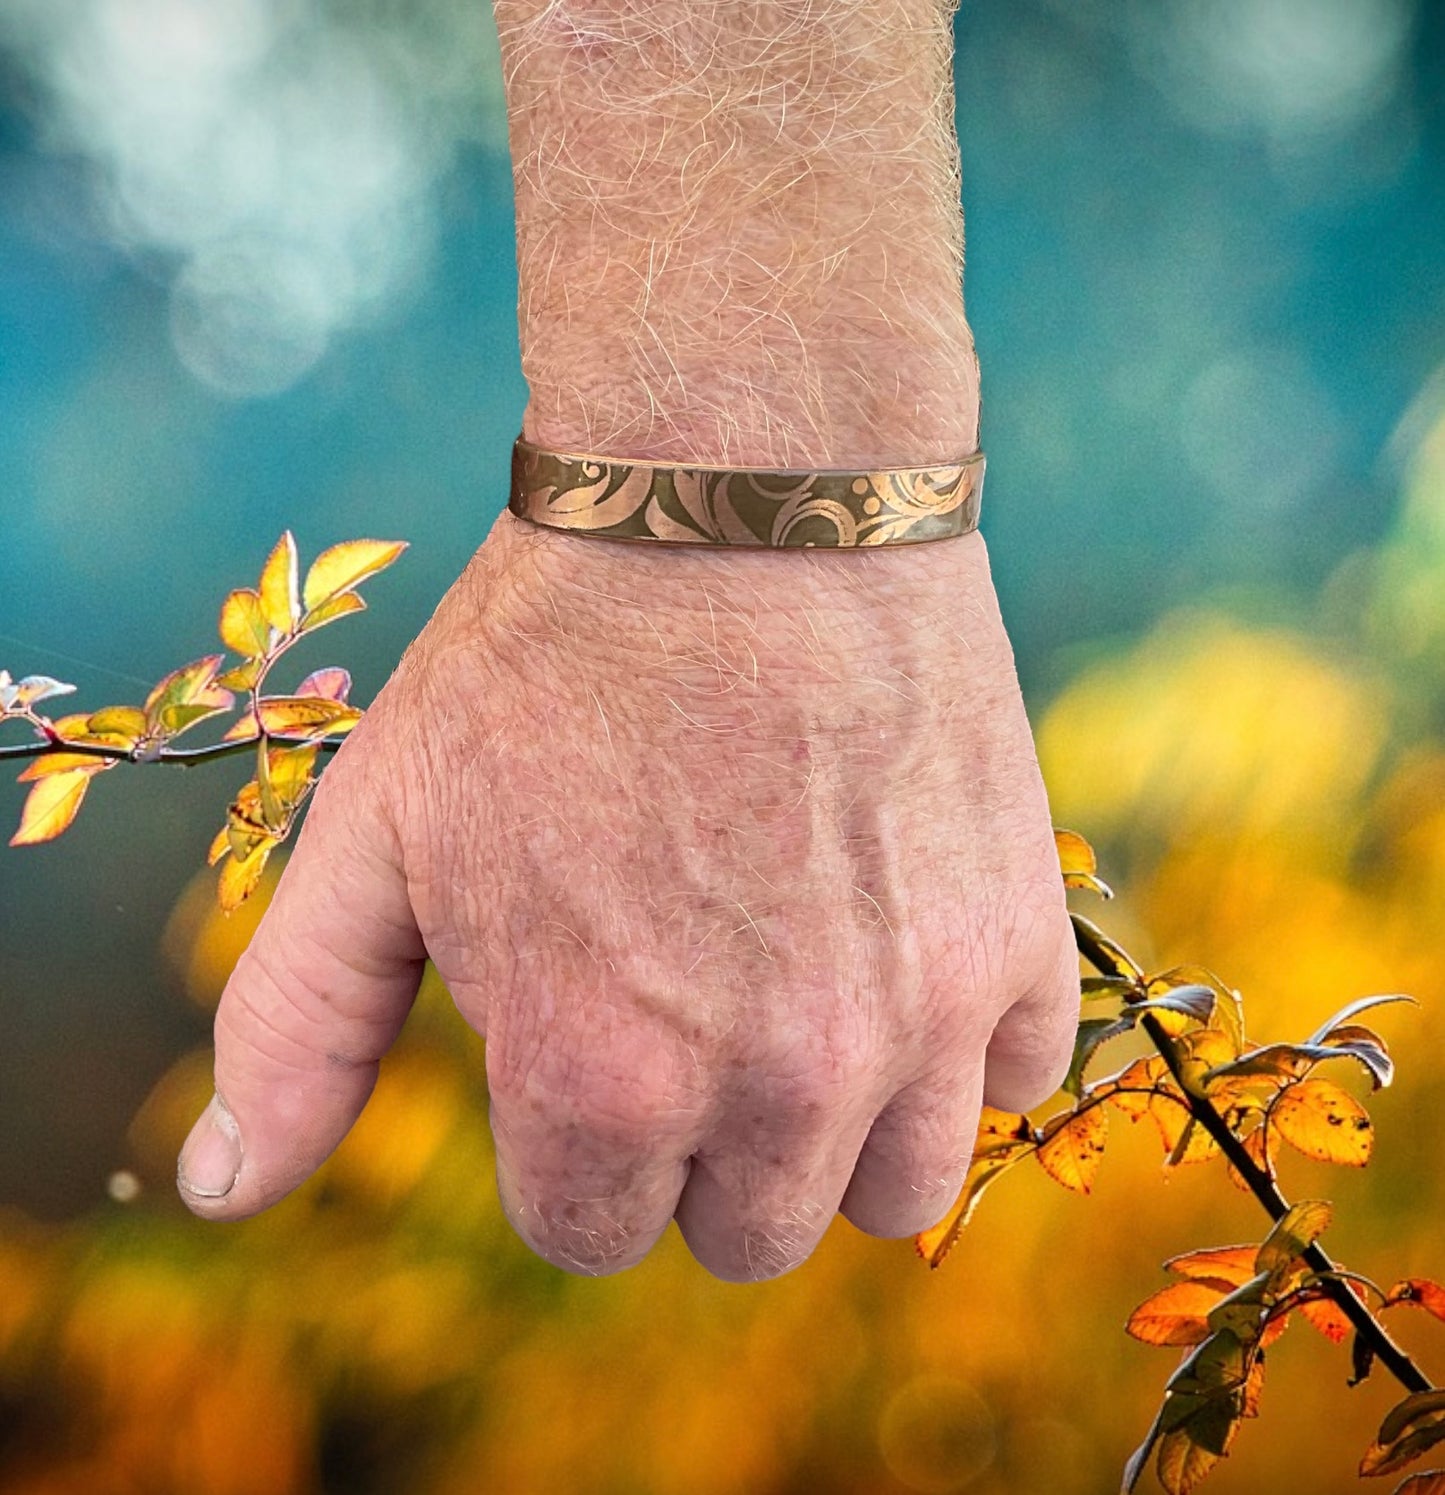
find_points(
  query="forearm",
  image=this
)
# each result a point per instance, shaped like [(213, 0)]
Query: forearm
[(739, 232)]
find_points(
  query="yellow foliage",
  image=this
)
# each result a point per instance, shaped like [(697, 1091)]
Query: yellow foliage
[(1211, 726)]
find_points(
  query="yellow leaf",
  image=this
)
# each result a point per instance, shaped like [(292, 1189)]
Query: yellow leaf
[(1324, 1121), (244, 626), (52, 763), (1193, 1145), (242, 676), (1199, 1052), (220, 847), (51, 806), (241, 875), (284, 779), (338, 607), (1261, 1145), (1177, 1314), (120, 725), (1075, 853), (277, 592), (302, 716), (341, 568), (245, 824), (1073, 1145)]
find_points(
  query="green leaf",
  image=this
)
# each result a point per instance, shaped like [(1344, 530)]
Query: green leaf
[(186, 696), (1296, 1230), (1093, 1032), (1412, 1427)]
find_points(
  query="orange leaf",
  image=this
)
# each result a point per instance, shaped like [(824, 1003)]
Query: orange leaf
[(1260, 1144), (1324, 1121), (1143, 1075), (1073, 1146), (1177, 1314), (1328, 1317), (1231, 1266), (243, 625), (345, 566), (51, 806), (935, 1243), (1000, 1129), (1421, 1292), (277, 592)]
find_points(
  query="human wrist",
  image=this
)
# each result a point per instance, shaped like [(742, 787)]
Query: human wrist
[(739, 235)]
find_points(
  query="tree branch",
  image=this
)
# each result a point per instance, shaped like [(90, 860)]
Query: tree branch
[(1266, 1191)]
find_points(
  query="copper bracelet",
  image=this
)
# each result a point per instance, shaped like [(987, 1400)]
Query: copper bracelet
[(636, 500)]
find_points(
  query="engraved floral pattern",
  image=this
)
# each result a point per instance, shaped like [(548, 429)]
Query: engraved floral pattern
[(723, 506)]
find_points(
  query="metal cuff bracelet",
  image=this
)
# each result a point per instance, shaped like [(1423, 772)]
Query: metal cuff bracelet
[(617, 499)]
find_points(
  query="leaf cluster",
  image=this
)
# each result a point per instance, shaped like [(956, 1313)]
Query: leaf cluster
[(287, 731), (1210, 1092)]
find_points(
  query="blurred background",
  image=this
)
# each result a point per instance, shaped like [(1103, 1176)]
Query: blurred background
[(256, 271)]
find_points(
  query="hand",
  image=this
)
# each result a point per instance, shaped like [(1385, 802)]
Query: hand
[(740, 861)]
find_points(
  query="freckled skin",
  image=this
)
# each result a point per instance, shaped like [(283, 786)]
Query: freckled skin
[(719, 979)]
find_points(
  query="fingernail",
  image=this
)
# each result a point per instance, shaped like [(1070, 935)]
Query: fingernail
[(211, 1159)]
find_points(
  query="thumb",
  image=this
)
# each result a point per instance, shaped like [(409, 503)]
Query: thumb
[(315, 1001)]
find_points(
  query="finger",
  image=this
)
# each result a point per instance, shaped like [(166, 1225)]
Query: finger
[(1032, 1044), (912, 1166), (313, 1004), (592, 1148), (759, 1197)]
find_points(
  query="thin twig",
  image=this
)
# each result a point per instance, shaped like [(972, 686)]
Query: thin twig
[(176, 757)]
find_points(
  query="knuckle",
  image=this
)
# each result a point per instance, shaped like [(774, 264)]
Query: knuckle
[(764, 1249), (620, 1100), (578, 1238)]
